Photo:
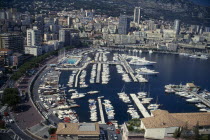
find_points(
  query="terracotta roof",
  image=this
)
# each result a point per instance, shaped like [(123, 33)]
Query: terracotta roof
[(78, 129), (164, 119), (4, 49)]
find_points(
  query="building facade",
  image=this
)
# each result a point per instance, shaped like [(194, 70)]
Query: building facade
[(177, 26), (65, 36), (124, 24), (33, 37), (13, 42), (137, 15)]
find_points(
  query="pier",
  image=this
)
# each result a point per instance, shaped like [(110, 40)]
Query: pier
[(128, 68), (203, 100), (101, 111), (98, 73), (140, 106), (77, 76)]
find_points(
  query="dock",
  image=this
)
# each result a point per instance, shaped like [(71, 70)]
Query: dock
[(203, 100), (101, 111), (77, 76), (98, 73), (128, 68), (140, 106)]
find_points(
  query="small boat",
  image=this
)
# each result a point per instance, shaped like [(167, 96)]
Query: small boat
[(203, 57), (150, 51), (193, 100), (93, 92), (100, 97), (71, 90), (199, 105)]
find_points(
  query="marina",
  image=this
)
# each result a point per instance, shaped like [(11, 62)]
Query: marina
[(99, 79), (191, 93)]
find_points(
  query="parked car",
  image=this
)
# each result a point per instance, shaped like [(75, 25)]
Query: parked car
[(115, 137)]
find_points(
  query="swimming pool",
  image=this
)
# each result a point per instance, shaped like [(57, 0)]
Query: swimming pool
[(70, 61)]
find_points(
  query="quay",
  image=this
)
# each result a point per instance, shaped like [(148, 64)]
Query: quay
[(98, 73), (77, 76), (128, 68), (140, 106), (67, 68), (101, 111), (107, 62), (203, 100)]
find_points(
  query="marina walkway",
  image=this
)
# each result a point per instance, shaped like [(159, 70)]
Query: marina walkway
[(203, 100), (98, 73), (141, 108), (77, 76), (101, 111), (128, 68)]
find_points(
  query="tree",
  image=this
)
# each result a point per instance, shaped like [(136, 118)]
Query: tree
[(177, 133), (2, 124), (186, 132), (11, 96), (130, 128), (196, 131), (52, 130)]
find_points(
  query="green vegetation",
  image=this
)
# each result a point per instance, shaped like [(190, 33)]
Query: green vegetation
[(33, 63), (185, 132), (190, 134), (196, 132), (2, 124), (135, 122), (177, 133), (205, 137), (134, 126), (52, 130), (11, 97)]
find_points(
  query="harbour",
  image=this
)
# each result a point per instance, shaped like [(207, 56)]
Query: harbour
[(101, 76)]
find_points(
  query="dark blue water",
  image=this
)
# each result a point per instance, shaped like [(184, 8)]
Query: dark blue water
[(173, 69), (201, 2)]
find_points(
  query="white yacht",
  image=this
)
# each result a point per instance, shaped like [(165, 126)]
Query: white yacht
[(146, 71), (200, 105), (193, 100), (203, 57), (140, 61), (93, 92), (153, 106), (150, 51)]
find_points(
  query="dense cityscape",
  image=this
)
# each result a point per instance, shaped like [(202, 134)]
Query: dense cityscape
[(88, 70)]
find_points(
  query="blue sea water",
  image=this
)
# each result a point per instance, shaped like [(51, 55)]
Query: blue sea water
[(201, 2), (173, 69)]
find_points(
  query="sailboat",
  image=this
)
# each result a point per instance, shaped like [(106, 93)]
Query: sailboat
[(154, 106), (147, 100)]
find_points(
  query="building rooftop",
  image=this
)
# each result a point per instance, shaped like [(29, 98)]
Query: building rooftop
[(5, 50), (164, 119), (78, 129)]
